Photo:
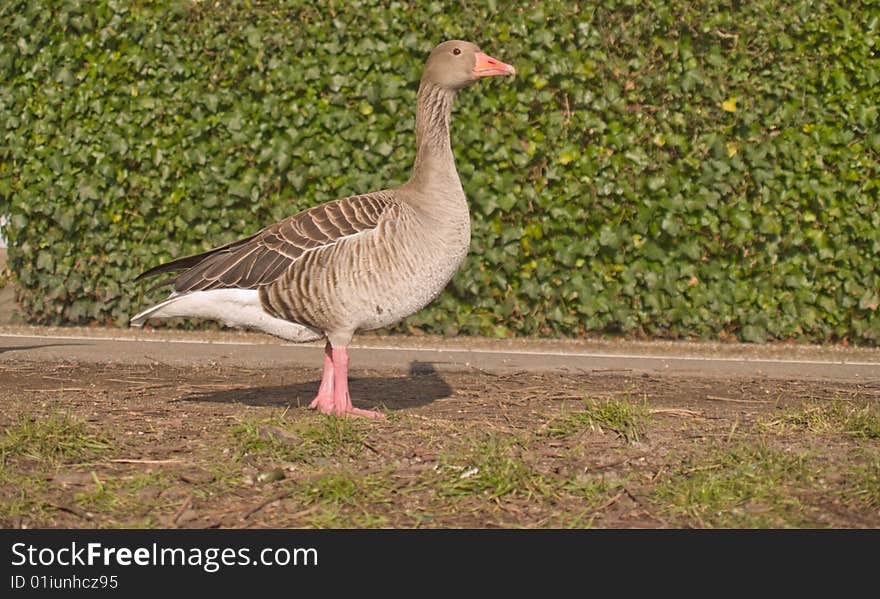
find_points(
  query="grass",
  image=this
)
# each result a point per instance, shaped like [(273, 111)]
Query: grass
[(747, 486), (475, 476), (629, 420), (834, 417), (249, 439), (35, 449), (26, 496), (330, 435), (741, 481), (335, 497), (489, 468), (591, 490), (799, 466), (122, 493), (863, 482), (345, 488), (54, 439), (343, 499), (498, 475), (336, 487), (277, 439)]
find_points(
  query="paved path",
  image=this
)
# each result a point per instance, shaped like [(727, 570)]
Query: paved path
[(781, 361)]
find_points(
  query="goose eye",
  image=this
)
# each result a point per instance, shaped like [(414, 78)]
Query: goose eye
[(456, 51)]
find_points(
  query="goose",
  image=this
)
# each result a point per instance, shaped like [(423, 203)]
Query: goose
[(354, 264)]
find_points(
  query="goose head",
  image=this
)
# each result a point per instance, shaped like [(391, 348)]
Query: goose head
[(455, 64)]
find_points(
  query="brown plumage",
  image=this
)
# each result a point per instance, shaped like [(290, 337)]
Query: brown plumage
[(260, 259)]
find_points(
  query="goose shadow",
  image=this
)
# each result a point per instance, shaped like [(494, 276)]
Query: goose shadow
[(421, 386), (4, 350)]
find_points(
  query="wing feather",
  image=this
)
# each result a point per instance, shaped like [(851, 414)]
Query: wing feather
[(262, 258)]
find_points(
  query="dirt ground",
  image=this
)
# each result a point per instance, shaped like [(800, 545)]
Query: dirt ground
[(91, 445)]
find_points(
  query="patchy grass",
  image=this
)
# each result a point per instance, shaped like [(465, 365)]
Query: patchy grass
[(863, 481), (501, 451), (339, 499), (831, 417), (55, 442), (491, 468), (746, 486), (278, 439), (23, 496), (252, 438), (587, 495), (54, 439), (123, 493), (329, 436), (628, 419)]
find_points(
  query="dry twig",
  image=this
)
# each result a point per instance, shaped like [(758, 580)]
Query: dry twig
[(183, 507), (271, 500), (730, 399)]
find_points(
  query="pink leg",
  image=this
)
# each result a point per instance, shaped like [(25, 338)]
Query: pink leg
[(341, 400), (324, 399)]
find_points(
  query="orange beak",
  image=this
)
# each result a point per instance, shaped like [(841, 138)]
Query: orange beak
[(487, 66)]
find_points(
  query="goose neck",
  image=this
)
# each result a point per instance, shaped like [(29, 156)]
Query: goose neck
[(435, 165)]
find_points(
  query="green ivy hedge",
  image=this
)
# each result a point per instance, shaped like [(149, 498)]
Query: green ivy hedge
[(670, 168)]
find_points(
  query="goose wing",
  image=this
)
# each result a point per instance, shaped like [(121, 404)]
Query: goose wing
[(260, 259)]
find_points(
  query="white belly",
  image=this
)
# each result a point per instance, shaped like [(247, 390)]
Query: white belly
[(240, 308)]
